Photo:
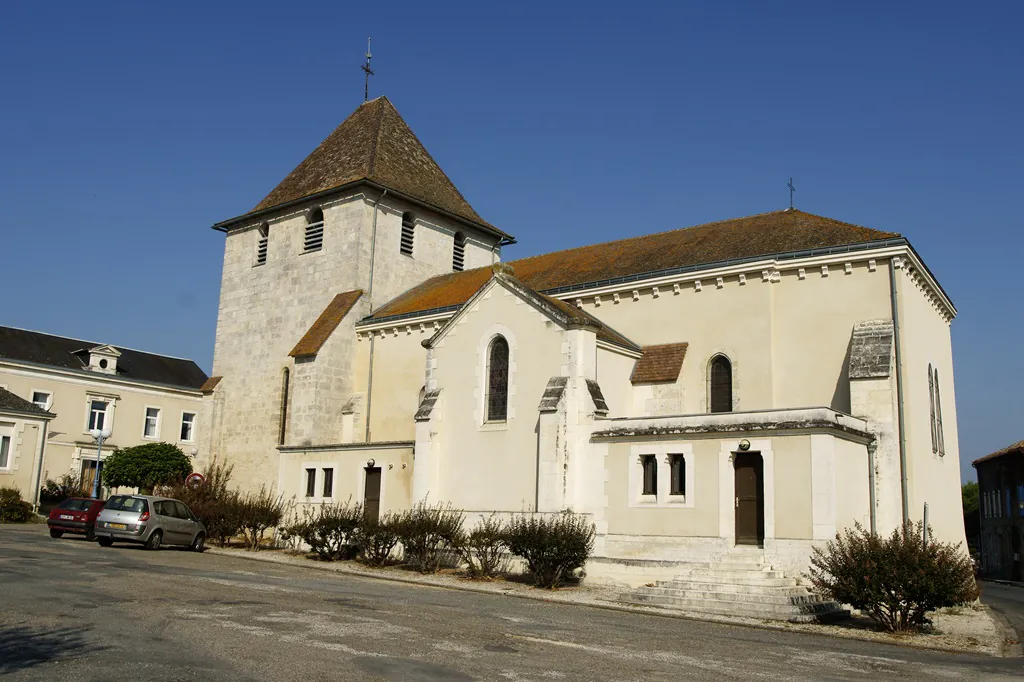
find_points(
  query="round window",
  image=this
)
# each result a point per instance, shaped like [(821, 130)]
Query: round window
[(103, 363)]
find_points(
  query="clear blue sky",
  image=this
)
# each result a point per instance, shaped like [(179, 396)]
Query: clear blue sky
[(127, 129)]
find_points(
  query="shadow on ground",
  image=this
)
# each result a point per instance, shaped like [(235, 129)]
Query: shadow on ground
[(26, 647)]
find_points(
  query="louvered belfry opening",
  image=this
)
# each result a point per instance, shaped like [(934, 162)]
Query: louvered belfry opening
[(261, 244), (314, 240), (721, 384), (497, 380), (408, 233), (459, 252)]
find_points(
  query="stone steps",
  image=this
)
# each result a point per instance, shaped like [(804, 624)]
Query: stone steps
[(736, 586)]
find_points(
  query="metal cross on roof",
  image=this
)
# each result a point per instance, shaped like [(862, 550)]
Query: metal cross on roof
[(369, 72), (791, 190)]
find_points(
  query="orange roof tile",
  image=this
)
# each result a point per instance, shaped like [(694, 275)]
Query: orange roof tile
[(210, 384), (330, 318), (740, 238), (661, 363)]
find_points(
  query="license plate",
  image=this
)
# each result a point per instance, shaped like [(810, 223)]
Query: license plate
[(118, 526), (67, 517)]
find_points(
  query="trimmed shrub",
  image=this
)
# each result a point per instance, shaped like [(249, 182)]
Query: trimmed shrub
[(484, 548), (428, 533), (329, 529), (212, 502), (258, 513), (146, 466), (896, 580), (12, 508), (553, 547), (376, 538)]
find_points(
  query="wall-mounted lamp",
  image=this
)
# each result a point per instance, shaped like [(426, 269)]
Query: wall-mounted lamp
[(370, 463)]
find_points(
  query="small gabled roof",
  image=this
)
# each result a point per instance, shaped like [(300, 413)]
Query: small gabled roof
[(1016, 448), (59, 351), (10, 402), (561, 312), (315, 338), (374, 144), (659, 364), (636, 258)]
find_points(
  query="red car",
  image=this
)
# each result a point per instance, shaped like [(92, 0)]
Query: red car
[(75, 515)]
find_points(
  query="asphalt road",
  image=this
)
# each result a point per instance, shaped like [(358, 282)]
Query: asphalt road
[(1007, 600), (73, 610)]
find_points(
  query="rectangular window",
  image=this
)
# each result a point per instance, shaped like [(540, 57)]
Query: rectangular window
[(5, 452), (98, 414), (1009, 504), (261, 244), (650, 466), (41, 399), (188, 425), (328, 482), (152, 421), (1020, 499), (310, 482), (677, 466)]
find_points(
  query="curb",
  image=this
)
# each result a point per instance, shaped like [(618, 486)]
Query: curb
[(1011, 583), (1003, 650)]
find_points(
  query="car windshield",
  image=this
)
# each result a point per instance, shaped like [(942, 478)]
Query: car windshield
[(76, 505), (127, 503)]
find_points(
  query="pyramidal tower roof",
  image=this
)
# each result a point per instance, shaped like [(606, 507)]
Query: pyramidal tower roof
[(374, 144)]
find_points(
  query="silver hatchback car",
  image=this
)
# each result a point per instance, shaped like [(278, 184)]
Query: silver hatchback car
[(151, 521)]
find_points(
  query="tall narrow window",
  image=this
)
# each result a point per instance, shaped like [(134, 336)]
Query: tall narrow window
[(5, 452), (310, 482), (497, 380), (188, 427), (261, 244), (150, 428), (282, 427), (677, 470), (940, 440), (650, 467), (931, 405), (408, 233), (314, 239), (41, 399), (721, 384), (459, 252), (97, 414), (328, 482)]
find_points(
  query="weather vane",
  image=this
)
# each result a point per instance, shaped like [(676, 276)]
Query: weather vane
[(368, 70), (791, 190)]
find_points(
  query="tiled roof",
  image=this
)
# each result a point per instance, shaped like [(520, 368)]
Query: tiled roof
[(1016, 448), (330, 318), (210, 384), (741, 238), (14, 403), (374, 143), (659, 364), (604, 332), (59, 351)]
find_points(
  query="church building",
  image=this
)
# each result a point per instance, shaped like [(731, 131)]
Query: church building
[(750, 385)]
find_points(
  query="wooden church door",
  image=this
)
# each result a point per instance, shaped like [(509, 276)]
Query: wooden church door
[(749, 469)]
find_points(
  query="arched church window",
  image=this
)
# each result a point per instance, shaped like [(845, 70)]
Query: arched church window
[(931, 405), (283, 425), (408, 233), (497, 380), (314, 239), (261, 243), (940, 440), (721, 384), (459, 252)]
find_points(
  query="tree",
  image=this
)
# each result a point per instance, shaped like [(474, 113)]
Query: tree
[(969, 492), (146, 466)]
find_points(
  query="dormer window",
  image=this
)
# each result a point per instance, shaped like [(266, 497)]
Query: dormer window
[(261, 243), (408, 233), (314, 239), (459, 252), (104, 359)]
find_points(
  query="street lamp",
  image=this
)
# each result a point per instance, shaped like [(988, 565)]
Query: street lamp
[(100, 436)]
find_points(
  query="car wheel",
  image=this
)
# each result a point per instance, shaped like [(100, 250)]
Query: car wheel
[(153, 543), (54, 533), (105, 542), (199, 544), (90, 533)]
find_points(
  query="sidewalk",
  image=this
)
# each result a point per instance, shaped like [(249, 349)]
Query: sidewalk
[(973, 629)]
